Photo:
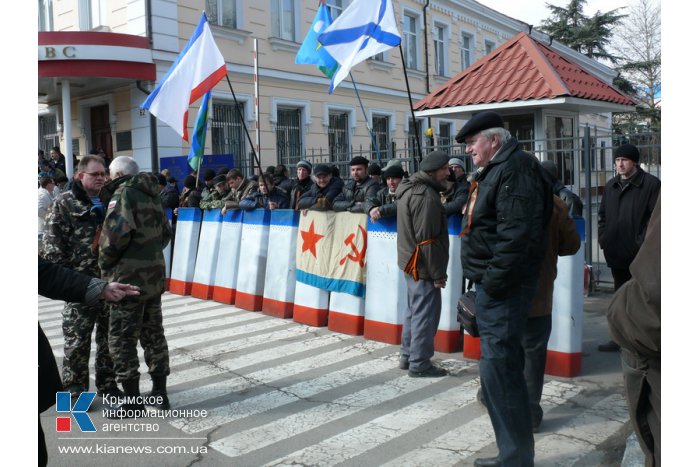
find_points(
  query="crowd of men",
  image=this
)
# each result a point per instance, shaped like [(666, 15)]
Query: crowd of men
[(517, 218)]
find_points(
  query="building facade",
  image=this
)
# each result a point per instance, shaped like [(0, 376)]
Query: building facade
[(98, 59)]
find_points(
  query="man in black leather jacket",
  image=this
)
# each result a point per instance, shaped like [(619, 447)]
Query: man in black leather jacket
[(361, 188)]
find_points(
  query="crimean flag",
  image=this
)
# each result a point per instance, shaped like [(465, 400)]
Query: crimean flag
[(364, 29), (196, 70), (311, 52), (200, 131), (332, 251)]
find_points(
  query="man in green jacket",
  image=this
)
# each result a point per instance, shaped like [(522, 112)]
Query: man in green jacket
[(134, 233)]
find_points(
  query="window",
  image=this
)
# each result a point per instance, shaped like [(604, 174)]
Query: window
[(228, 134), (283, 19), (222, 13), (336, 8), (338, 146), (380, 133), (288, 136), (410, 40), (45, 15), (560, 145), (445, 137), (48, 134), (488, 47), (439, 43), (465, 50)]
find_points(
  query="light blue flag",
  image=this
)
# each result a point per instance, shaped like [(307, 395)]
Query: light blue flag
[(311, 52), (200, 130)]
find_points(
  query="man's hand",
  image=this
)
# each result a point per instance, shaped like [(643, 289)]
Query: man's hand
[(374, 214), (272, 205), (440, 284), (223, 210), (115, 291)]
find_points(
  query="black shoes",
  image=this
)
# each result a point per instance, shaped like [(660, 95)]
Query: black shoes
[(403, 362), (487, 462), (132, 409), (611, 346), (431, 372), (159, 393)]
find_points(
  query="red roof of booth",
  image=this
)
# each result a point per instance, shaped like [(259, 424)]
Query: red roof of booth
[(519, 70)]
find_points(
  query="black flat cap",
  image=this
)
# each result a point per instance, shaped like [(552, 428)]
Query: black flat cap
[(374, 169), (628, 151), (209, 174), (434, 161), (219, 179), (393, 171), (477, 123), (322, 169), (359, 160)]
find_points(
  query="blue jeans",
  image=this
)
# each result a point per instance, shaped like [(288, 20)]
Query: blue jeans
[(502, 324)]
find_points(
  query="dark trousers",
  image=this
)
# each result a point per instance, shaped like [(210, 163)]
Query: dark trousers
[(643, 390), (420, 323), (620, 276), (502, 323), (43, 454), (534, 343)]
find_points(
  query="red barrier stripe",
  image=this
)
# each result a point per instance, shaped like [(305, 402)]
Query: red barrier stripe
[(347, 324), (472, 347), (383, 332), (448, 341), (202, 291), (248, 302), (310, 316), (180, 287), (224, 295), (277, 308), (563, 364)]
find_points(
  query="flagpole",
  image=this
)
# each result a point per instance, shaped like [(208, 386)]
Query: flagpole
[(240, 115), (410, 104), (369, 129)]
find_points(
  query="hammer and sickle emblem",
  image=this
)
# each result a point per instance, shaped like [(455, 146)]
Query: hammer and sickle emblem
[(356, 255)]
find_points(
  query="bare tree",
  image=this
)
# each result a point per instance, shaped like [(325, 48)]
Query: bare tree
[(638, 43)]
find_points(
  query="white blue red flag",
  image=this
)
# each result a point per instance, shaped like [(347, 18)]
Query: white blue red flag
[(364, 29), (197, 69)]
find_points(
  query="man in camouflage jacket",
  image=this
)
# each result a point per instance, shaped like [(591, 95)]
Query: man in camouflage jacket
[(134, 233), (215, 198), (72, 227), (240, 189)]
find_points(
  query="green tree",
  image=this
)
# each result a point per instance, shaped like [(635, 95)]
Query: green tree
[(589, 35)]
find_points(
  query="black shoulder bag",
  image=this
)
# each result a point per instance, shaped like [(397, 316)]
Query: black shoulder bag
[(466, 311)]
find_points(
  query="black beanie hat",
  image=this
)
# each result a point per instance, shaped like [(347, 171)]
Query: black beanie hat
[(628, 151), (393, 171), (190, 182), (209, 174), (374, 169)]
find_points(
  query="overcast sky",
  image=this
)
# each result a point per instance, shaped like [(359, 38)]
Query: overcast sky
[(534, 11)]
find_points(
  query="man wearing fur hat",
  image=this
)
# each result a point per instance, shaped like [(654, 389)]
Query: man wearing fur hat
[(628, 201), (361, 188), (504, 235), (423, 253)]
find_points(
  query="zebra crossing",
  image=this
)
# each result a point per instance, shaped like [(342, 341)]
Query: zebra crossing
[(279, 393)]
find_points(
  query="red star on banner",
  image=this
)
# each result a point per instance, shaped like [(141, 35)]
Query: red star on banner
[(310, 239)]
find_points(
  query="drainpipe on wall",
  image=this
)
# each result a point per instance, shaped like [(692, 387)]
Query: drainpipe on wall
[(427, 67)]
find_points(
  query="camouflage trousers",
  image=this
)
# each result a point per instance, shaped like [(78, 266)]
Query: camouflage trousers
[(78, 322), (132, 321)]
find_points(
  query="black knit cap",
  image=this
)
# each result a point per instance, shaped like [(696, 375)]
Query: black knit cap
[(628, 151), (322, 169), (219, 179), (359, 160), (477, 123), (374, 169), (190, 181), (209, 174), (434, 161), (393, 171)]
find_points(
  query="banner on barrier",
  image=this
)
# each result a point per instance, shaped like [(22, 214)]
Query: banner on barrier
[(331, 251)]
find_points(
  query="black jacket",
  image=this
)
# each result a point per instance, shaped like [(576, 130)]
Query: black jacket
[(58, 283), (258, 200), (509, 221), (572, 200), (385, 201), (354, 195), (300, 187), (623, 216), (456, 197), (169, 197), (321, 199)]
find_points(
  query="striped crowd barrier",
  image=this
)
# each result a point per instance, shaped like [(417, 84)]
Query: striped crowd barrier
[(280, 280), (255, 234), (310, 305), (207, 254), (227, 265), (449, 334), (386, 296), (185, 250), (167, 251), (346, 313)]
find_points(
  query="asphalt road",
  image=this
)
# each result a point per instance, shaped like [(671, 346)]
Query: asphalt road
[(279, 393)]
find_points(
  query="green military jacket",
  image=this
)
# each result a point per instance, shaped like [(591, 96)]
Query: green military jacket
[(214, 200), (134, 233), (71, 228)]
